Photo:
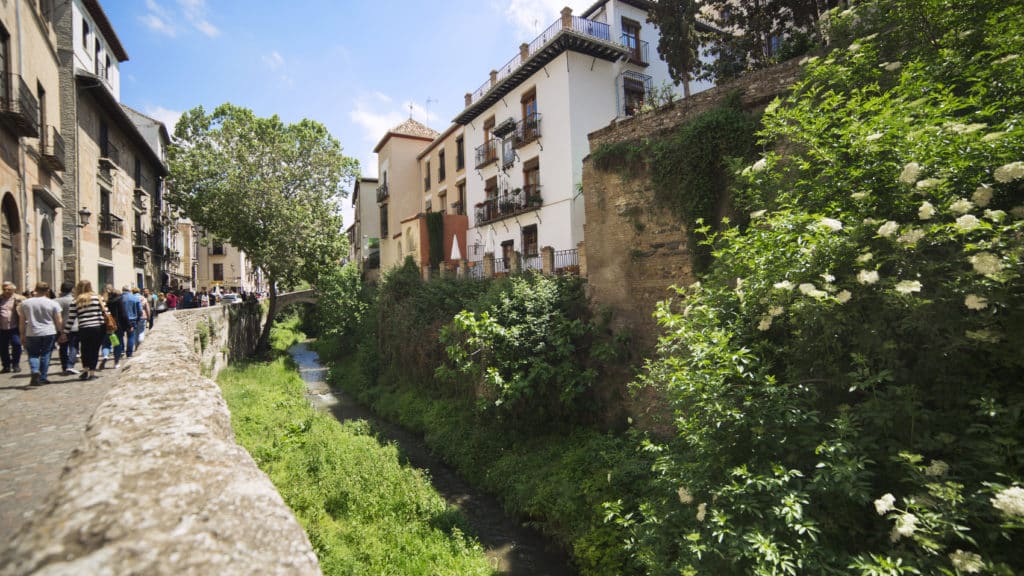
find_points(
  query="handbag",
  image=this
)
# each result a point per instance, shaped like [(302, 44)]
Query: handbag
[(110, 322)]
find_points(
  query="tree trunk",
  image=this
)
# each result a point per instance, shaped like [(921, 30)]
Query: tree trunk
[(264, 344)]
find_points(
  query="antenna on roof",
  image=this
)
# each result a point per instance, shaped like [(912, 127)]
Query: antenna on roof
[(429, 100), (410, 110)]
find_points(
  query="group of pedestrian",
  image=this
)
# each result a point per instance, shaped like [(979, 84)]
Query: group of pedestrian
[(79, 321)]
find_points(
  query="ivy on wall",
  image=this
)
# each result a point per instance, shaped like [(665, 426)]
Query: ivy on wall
[(435, 235), (689, 168)]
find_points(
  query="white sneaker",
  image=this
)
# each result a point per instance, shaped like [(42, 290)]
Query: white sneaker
[(71, 372), (117, 365)]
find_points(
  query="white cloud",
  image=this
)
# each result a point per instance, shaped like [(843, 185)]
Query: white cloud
[(373, 119), (531, 17), (195, 13), (158, 19), (274, 60), (168, 117)]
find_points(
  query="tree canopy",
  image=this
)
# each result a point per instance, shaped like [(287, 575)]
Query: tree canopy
[(271, 189)]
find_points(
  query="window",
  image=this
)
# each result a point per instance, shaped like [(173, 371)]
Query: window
[(530, 240), (635, 87), (631, 38), (85, 34), (492, 152), (460, 154), (218, 272), (460, 206), (426, 178), (217, 248), (507, 252), (531, 120), (531, 182), (138, 172), (442, 203), (440, 166), (106, 68), (104, 140), (41, 92), (383, 220), (5, 65)]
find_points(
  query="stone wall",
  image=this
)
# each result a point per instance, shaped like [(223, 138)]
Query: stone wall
[(222, 334), (159, 485), (636, 249)]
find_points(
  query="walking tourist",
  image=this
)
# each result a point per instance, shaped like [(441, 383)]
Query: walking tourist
[(10, 340), (115, 306), (143, 320), (86, 311), (39, 321), (131, 305), (68, 344)]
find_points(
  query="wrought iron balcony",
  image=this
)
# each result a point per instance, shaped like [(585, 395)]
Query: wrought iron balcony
[(503, 206), (111, 225), (52, 145), (172, 258), (527, 130), (19, 108), (143, 240), (637, 49), (110, 158), (382, 192), (487, 153)]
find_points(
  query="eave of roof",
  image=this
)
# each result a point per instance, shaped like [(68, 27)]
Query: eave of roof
[(437, 141), (100, 18), (566, 39), (113, 107), (641, 4), (391, 134)]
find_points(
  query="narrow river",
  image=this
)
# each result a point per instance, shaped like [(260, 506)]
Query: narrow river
[(514, 549)]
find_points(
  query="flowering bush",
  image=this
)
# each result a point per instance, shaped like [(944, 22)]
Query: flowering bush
[(846, 377)]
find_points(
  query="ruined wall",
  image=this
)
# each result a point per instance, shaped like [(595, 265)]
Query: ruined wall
[(159, 485), (636, 249)]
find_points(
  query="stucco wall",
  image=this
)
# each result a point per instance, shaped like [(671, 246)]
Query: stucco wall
[(159, 485)]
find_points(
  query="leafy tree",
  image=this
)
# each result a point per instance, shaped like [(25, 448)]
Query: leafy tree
[(746, 35), (271, 189), (845, 379)]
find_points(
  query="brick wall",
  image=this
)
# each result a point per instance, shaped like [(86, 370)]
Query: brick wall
[(636, 249)]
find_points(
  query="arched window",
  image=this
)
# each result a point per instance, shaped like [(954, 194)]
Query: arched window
[(10, 235)]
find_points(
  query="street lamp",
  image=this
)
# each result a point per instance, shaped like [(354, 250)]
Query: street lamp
[(83, 217)]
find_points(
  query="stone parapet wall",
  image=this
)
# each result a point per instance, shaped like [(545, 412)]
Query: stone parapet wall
[(159, 485), (222, 334), (637, 249)]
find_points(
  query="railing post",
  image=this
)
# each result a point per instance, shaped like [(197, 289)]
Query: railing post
[(547, 260), (469, 99), (515, 266), (581, 254), (494, 78), (460, 272), (566, 18), (488, 264), (524, 51)]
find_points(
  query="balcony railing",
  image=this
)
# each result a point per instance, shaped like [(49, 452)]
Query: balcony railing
[(140, 204), (53, 149), (458, 209), (527, 130), (19, 108), (567, 262), (382, 192), (172, 257), (110, 157), (143, 240), (637, 49), (588, 28), (143, 184), (487, 153), (111, 225), (507, 205)]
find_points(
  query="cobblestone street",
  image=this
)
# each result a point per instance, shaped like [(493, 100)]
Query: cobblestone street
[(39, 428)]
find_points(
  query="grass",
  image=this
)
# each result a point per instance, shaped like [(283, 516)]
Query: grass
[(559, 481), (364, 512)]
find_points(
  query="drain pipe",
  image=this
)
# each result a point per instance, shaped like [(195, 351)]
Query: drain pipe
[(26, 226)]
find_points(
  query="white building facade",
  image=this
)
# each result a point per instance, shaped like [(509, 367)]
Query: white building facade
[(526, 128)]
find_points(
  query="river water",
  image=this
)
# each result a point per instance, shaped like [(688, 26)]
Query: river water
[(514, 549)]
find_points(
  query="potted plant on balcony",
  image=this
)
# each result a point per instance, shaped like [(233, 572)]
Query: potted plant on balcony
[(534, 200)]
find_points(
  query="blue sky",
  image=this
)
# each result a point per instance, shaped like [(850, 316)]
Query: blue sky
[(353, 65)]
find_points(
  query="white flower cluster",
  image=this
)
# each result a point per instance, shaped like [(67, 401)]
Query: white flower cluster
[(967, 222), (911, 236), (975, 302), (910, 173), (808, 289), (1010, 172), (967, 562), (926, 211), (906, 525), (888, 229), (684, 495), (884, 504), (936, 468), (1010, 501), (961, 206), (830, 224), (867, 277), (702, 509), (982, 195), (908, 286), (986, 263)]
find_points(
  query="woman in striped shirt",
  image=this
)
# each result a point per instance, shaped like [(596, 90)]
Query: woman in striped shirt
[(88, 310)]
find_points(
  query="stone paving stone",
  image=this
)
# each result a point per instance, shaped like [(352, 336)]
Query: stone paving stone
[(39, 427)]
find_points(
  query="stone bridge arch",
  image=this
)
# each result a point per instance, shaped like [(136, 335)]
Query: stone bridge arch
[(300, 297)]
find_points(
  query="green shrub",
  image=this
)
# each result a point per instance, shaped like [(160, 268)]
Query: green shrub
[(846, 375)]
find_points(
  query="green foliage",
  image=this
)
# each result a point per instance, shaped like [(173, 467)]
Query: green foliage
[(435, 235), (271, 189), (364, 512), (627, 157), (678, 39), (845, 377), (342, 305), (689, 169), (525, 351), (558, 480)]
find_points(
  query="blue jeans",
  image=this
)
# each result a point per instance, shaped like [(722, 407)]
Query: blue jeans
[(140, 329), (129, 339), (69, 352), (39, 350), (10, 348)]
